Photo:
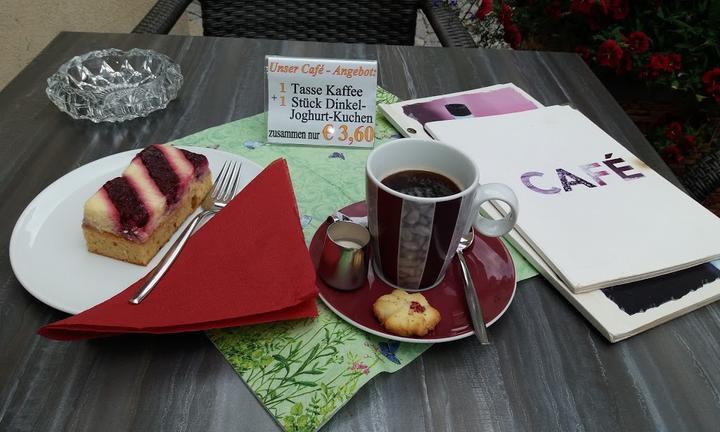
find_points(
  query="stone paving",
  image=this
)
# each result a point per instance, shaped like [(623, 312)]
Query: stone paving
[(424, 33), (27, 26)]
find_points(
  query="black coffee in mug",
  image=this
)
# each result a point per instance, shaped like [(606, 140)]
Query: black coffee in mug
[(420, 183)]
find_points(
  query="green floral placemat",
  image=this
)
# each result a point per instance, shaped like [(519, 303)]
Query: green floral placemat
[(304, 371)]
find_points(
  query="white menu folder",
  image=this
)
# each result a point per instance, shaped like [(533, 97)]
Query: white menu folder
[(594, 212), (699, 288)]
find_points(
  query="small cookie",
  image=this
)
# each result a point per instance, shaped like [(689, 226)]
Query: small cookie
[(406, 314)]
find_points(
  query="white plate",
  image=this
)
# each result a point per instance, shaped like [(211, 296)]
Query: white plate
[(47, 247)]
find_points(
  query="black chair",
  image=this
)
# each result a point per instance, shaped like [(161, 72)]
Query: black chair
[(701, 179), (365, 21)]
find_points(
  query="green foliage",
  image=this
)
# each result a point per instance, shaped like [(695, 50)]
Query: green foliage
[(671, 49), (687, 28)]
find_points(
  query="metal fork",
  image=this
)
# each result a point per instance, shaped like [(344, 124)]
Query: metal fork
[(226, 186)]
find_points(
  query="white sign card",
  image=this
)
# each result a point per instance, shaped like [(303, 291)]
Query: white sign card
[(321, 101)]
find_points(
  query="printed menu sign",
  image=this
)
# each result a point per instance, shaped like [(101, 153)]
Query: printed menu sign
[(321, 101)]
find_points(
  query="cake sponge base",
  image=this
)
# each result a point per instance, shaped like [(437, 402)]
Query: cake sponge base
[(114, 246)]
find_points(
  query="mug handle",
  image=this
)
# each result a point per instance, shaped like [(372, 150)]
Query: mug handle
[(501, 192)]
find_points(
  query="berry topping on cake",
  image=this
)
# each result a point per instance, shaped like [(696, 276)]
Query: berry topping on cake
[(161, 185), (199, 162), (161, 172), (131, 211)]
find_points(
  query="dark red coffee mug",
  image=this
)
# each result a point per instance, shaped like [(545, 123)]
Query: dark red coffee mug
[(413, 238)]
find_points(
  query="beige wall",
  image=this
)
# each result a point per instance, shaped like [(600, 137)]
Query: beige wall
[(26, 26)]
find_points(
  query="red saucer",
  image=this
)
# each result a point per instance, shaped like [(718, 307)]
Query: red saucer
[(491, 268)]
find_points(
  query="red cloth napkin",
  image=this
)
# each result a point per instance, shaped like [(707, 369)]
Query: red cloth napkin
[(247, 265)]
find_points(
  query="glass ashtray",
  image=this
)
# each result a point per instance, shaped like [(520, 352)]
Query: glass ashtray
[(112, 85)]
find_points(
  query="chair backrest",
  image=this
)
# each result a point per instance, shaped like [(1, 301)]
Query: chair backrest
[(367, 21)]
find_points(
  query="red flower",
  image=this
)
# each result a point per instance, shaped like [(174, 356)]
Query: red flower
[(625, 65), (484, 10), (673, 131), (672, 154), (620, 9), (659, 62), (609, 54), (598, 16), (505, 15), (584, 52), (512, 36), (711, 79), (688, 143), (674, 62), (554, 10), (638, 42), (581, 6), (600, 7)]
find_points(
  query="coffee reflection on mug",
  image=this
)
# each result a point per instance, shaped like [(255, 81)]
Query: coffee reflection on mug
[(411, 243)]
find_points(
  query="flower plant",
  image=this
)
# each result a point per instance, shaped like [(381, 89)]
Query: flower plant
[(649, 47)]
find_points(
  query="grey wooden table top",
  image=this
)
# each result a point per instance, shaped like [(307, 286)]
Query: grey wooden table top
[(547, 368)]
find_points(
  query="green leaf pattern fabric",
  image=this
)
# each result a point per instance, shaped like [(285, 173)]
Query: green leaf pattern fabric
[(303, 371)]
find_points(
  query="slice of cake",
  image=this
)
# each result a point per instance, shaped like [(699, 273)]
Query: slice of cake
[(132, 216)]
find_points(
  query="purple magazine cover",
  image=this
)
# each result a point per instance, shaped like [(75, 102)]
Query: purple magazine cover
[(477, 104)]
